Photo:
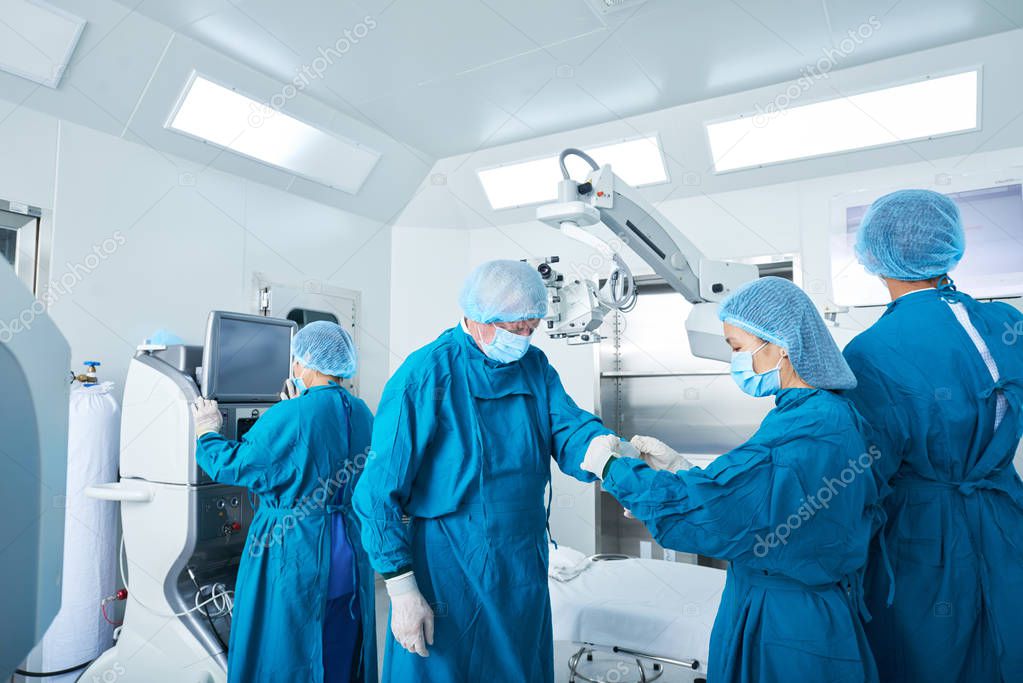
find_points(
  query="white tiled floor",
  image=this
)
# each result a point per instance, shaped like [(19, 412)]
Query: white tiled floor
[(603, 668)]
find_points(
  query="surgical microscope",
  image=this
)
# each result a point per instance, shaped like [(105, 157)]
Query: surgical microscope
[(578, 305), (184, 533)]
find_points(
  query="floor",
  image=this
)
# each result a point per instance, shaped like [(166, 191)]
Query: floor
[(604, 668)]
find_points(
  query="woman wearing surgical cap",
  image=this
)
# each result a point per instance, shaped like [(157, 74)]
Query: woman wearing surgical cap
[(793, 509), (303, 601), (452, 502), (941, 382)]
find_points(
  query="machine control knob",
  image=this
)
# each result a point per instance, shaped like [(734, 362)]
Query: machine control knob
[(235, 501), (221, 503)]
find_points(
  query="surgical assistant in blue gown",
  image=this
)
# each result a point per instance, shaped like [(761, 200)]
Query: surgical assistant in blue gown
[(793, 509), (955, 512), (303, 573), (462, 446)]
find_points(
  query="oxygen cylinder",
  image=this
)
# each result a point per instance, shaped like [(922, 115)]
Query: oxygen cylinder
[(80, 633)]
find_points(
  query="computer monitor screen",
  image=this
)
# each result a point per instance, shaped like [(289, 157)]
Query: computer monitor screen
[(992, 266), (246, 357)]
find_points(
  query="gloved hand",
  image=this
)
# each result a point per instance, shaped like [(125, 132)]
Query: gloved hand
[(602, 449), (207, 416), (659, 455), (290, 390), (411, 616)]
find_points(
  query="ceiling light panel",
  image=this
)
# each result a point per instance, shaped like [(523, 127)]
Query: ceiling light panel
[(916, 111), (224, 117)]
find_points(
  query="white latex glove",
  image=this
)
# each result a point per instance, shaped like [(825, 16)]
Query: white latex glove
[(290, 390), (602, 449), (411, 616), (207, 416), (659, 455)]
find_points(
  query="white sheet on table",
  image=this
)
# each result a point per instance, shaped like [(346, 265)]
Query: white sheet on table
[(566, 563), (657, 607)]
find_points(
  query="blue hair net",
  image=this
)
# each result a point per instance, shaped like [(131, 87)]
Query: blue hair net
[(164, 337), (911, 235), (503, 291), (326, 347), (778, 311)]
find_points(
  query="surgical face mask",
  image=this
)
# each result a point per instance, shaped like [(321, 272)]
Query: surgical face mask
[(507, 347), (296, 379), (749, 380)]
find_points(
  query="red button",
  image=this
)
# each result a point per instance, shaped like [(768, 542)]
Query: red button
[(236, 526)]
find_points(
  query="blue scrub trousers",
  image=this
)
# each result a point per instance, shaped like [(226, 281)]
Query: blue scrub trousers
[(341, 635), (341, 619)]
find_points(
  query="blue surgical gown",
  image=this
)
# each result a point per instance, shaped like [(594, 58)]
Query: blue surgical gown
[(793, 509), (462, 447), (300, 458), (955, 511)]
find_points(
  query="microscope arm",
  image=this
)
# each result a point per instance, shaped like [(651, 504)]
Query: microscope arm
[(605, 199)]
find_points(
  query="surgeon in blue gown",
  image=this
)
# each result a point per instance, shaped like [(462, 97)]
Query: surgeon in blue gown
[(793, 508), (303, 600), (941, 381), (452, 500)]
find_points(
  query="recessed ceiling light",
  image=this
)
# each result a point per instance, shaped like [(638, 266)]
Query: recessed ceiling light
[(916, 111), (223, 117), (638, 162), (37, 40)]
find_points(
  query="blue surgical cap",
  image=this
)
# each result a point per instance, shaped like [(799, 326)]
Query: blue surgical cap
[(326, 347), (164, 337), (503, 291), (779, 312), (911, 235)]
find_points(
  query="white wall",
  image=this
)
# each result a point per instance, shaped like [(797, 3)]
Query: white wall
[(146, 240), (429, 266)]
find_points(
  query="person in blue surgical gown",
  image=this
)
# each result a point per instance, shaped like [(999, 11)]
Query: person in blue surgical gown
[(303, 601), (793, 508), (941, 381), (452, 499)]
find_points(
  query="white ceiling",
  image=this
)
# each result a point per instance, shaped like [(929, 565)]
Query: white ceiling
[(453, 76), (127, 73)]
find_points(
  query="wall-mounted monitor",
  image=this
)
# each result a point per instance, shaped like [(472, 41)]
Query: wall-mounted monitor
[(245, 357), (992, 213)]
